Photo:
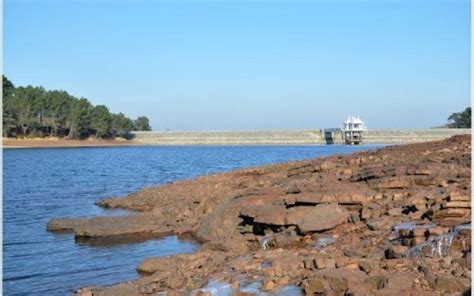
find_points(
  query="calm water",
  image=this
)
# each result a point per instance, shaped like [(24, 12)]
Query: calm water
[(40, 184)]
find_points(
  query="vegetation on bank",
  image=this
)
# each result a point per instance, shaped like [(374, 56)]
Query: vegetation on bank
[(36, 112), (460, 119)]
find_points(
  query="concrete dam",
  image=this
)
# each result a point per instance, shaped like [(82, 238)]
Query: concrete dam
[(292, 137)]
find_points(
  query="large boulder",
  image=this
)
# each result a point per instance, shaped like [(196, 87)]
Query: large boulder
[(309, 218), (317, 218), (266, 214)]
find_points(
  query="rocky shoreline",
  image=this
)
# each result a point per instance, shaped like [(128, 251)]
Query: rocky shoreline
[(390, 221)]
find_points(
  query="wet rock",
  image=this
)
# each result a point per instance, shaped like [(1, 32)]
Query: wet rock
[(404, 232), (466, 232), (65, 225), (407, 241), (99, 227)]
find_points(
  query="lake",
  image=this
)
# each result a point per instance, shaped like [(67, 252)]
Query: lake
[(41, 184)]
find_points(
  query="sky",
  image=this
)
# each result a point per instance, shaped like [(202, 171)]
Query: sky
[(248, 64)]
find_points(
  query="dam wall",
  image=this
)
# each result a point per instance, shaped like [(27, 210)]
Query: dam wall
[(291, 137), (405, 136), (283, 137)]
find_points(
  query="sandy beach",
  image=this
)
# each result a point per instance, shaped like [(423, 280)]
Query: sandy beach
[(62, 143)]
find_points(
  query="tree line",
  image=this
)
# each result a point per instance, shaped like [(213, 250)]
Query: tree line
[(34, 111), (460, 119)]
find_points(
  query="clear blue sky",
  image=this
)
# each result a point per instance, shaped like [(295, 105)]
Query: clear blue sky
[(230, 65)]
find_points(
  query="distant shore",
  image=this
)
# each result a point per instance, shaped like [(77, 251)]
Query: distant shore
[(9, 143), (277, 137)]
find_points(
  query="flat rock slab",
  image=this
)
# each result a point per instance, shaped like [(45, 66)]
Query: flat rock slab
[(266, 214), (110, 226), (308, 218), (316, 198), (317, 218)]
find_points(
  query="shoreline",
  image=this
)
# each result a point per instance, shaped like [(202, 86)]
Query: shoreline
[(244, 138), (8, 143), (369, 223)]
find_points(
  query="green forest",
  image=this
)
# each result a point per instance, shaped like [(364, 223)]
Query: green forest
[(35, 112), (460, 119)]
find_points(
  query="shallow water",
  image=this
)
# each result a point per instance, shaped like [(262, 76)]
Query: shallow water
[(324, 241), (411, 226), (218, 288), (441, 245), (40, 184)]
